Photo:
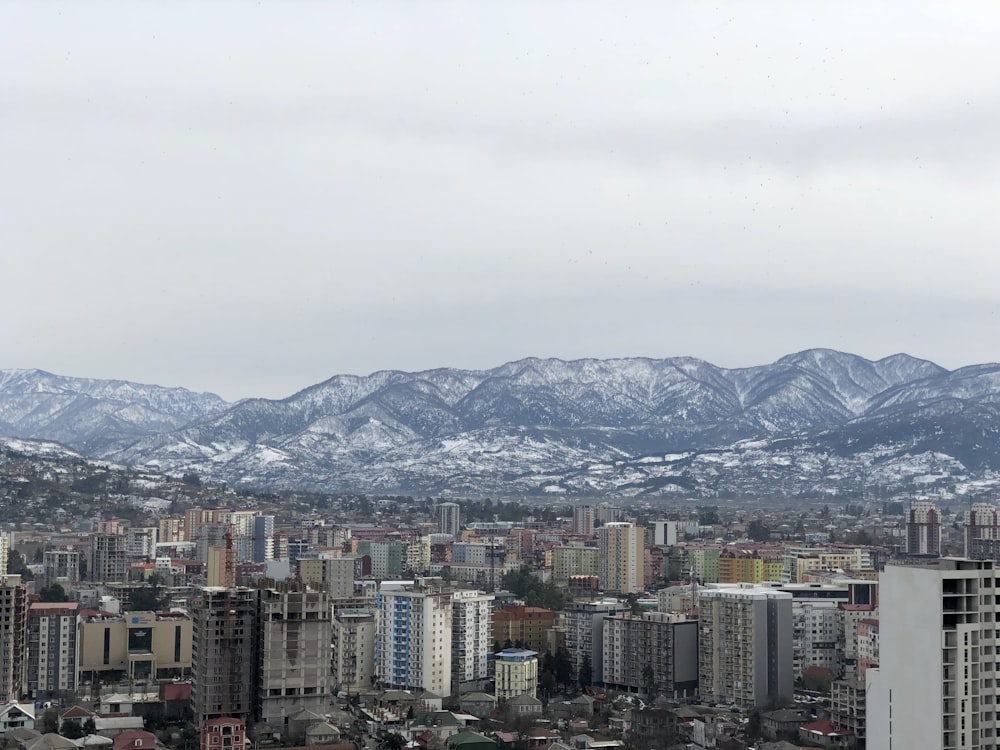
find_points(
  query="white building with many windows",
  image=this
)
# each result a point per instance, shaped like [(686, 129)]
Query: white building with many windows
[(936, 683), (413, 628), (471, 633)]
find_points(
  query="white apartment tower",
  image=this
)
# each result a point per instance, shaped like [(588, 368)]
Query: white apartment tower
[(936, 683), (745, 645), (620, 557), (471, 632), (923, 529), (413, 626)]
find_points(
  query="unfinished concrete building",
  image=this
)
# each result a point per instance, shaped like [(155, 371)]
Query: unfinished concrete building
[(295, 656)]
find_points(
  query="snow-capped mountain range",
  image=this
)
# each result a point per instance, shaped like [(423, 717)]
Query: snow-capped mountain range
[(812, 423)]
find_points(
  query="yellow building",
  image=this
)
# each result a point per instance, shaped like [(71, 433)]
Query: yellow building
[(750, 565), (516, 673), (135, 645)]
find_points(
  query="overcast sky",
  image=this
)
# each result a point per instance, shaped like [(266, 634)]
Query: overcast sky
[(249, 198)]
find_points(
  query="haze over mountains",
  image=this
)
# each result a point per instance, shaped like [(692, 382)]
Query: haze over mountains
[(812, 424)]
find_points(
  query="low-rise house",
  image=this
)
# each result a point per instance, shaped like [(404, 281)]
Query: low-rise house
[(783, 724), (478, 704), (15, 715), (824, 733), (524, 705)]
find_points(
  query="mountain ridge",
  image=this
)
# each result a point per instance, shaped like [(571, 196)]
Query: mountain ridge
[(535, 424)]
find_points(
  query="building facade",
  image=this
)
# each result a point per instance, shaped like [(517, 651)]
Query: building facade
[(936, 683), (352, 649), (471, 633), (450, 519), (413, 635), (620, 565), (224, 653), (516, 673), (13, 637), (294, 648), (745, 645), (52, 652), (655, 650), (923, 529), (134, 646), (107, 558)]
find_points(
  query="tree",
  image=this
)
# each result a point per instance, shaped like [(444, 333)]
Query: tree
[(535, 592), (757, 531), (708, 515), (191, 479), (393, 741), (49, 722), (753, 726), (53, 593), (71, 730), (90, 726), (150, 598), (562, 666), (17, 567), (586, 676), (649, 681)]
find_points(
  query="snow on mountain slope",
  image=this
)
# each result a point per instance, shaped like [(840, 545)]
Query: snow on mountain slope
[(549, 425), (93, 415)]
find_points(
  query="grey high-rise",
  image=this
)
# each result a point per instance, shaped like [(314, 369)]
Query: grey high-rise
[(450, 518), (745, 645)]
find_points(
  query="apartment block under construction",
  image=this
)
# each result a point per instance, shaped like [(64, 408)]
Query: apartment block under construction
[(295, 655), (224, 653)]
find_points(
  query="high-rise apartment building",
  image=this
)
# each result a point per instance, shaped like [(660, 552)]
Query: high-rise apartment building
[(295, 654), (665, 642), (573, 560), (107, 558), (620, 557), (352, 649), (745, 645), (936, 683), (471, 633), (171, 530), (923, 529), (450, 519), (61, 566), (333, 572), (585, 622), (13, 637), (263, 538), (583, 519), (982, 532), (224, 653), (140, 543), (530, 627), (52, 652), (665, 533), (413, 635)]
